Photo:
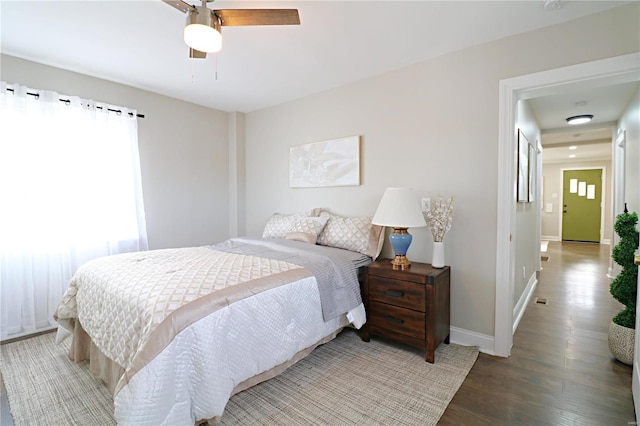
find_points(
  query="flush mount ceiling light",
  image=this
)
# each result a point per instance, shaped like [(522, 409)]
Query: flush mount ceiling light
[(580, 119)]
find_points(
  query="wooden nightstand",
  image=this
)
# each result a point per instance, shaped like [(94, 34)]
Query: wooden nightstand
[(410, 306)]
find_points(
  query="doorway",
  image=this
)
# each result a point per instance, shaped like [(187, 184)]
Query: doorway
[(602, 72), (582, 205)]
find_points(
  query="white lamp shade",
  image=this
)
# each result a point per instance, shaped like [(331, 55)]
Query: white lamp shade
[(203, 38), (399, 208), (202, 31)]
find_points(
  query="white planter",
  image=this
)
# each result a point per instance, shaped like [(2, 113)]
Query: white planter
[(621, 342)]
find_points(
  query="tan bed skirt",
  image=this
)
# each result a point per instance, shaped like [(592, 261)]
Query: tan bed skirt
[(102, 367), (82, 348)]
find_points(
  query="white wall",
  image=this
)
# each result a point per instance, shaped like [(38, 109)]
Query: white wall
[(237, 188), (627, 179), (526, 238), (630, 122), (434, 127), (183, 153), (552, 173)]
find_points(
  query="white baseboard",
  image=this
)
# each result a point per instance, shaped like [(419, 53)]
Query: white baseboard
[(556, 238), (613, 270), (28, 333), (521, 306), (464, 337)]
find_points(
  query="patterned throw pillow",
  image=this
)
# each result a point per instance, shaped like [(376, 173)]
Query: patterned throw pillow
[(279, 224), (352, 233), (307, 229)]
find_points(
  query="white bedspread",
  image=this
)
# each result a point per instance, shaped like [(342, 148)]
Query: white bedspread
[(193, 378), (186, 349), (121, 300)]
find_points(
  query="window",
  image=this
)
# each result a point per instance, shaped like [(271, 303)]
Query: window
[(70, 191)]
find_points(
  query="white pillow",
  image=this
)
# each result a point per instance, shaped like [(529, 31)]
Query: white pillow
[(279, 224), (352, 233), (306, 229)]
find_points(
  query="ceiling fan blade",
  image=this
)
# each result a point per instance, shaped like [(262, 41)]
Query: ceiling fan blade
[(196, 54), (237, 17), (180, 5)]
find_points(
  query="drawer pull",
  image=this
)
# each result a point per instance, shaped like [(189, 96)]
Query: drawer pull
[(394, 293), (393, 319)]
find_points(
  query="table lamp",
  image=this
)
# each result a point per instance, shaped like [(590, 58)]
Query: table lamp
[(399, 209)]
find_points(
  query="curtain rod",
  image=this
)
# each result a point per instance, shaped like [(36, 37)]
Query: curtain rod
[(67, 101)]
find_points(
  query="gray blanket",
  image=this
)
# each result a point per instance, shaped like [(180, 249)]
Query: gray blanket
[(335, 269)]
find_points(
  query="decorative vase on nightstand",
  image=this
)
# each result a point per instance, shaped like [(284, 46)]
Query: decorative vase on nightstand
[(439, 219), (437, 260)]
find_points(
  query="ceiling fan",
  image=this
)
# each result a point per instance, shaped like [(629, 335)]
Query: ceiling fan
[(202, 32)]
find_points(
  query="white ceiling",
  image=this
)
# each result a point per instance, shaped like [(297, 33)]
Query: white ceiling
[(592, 141), (139, 43), (606, 104), (585, 152)]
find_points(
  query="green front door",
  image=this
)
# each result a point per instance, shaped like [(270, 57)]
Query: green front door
[(581, 197)]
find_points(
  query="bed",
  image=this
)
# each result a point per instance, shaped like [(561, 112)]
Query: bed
[(175, 333)]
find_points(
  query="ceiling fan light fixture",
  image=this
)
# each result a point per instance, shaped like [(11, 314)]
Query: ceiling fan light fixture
[(580, 119), (202, 31)]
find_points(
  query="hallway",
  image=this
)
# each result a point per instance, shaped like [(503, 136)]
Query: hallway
[(560, 371)]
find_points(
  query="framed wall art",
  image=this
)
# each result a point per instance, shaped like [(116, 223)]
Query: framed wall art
[(531, 176), (523, 168), (334, 162)]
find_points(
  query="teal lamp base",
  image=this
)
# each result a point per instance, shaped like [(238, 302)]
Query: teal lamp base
[(400, 241)]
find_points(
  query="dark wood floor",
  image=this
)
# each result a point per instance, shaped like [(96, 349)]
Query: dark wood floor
[(560, 371)]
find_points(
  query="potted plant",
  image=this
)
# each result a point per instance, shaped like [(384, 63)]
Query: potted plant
[(623, 288)]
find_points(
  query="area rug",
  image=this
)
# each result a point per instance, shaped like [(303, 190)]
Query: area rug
[(346, 382)]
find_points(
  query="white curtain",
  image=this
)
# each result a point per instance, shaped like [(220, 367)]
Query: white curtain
[(70, 191)]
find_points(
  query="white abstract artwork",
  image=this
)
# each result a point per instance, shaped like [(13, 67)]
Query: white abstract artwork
[(335, 162), (523, 168)]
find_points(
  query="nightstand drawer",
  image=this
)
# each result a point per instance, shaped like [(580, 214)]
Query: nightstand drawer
[(389, 321), (396, 292)]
